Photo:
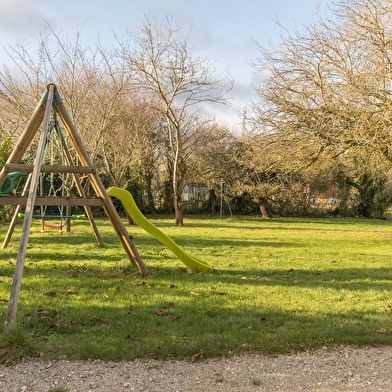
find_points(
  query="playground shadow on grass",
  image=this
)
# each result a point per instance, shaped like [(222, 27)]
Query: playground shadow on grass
[(352, 279), (153, 330), (191, 322), (347, 279), (206, 244)]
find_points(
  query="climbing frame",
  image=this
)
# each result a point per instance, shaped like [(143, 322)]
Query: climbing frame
[(49, 105)]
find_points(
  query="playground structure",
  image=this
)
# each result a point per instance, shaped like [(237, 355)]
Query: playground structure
[(14, 173), (49, 107)]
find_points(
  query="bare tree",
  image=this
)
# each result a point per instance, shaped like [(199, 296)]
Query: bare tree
[(328, 88), (175, 82), (130, 146), (95, 88), (213, 159), (326, 91)]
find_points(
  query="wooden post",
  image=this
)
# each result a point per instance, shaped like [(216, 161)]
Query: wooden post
[(15, 217), (18, 273), (87, 209), (26, 137)]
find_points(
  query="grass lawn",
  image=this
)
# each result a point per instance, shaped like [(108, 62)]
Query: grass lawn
[(278, 286)]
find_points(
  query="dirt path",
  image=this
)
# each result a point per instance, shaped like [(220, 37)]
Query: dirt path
[(346, 369)]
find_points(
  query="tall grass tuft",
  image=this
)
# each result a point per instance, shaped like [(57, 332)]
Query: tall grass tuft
[(16, 345)]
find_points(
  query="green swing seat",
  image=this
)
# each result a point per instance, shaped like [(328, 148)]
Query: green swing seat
[(12, 182)]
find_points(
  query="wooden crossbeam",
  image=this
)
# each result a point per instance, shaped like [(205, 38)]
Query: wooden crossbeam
[(20, 167), (53, 201)]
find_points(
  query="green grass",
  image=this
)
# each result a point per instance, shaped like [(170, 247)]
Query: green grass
[(15, 346), (278, 286)]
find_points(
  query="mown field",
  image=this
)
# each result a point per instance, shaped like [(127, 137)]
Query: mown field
[(278, 286)]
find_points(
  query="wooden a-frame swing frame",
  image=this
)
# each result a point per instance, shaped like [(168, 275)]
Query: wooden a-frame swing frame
[(51, 101)]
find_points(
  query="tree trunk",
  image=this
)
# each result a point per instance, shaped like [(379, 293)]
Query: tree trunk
[(212, 200), (264, 208), (179, 215), (177, 180), (168, 199), (178, 212), (131, 222), (68, 212)]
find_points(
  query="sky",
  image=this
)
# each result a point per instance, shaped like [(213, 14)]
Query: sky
[(226, 31)]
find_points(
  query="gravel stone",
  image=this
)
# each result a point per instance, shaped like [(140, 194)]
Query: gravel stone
[(343, 370)]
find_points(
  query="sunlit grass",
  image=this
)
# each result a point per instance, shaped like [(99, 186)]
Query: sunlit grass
[(278, 285)]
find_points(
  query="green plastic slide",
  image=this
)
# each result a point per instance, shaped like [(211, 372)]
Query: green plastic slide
[(130, 206), (12, 182)]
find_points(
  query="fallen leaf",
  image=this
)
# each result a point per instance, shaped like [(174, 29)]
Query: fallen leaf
[(194, 293), (49, 293), (197, 357), (46, 318), (383, 331), (159, 312), (69, 291), (142, 283), (171, 286), (172, 318)]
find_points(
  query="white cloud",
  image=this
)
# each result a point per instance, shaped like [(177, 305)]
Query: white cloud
[(23, 17)]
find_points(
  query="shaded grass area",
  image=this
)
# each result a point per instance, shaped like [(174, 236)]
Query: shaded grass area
[(278, 286)]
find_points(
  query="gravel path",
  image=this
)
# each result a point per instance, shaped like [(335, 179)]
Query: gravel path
[(346, 369)]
